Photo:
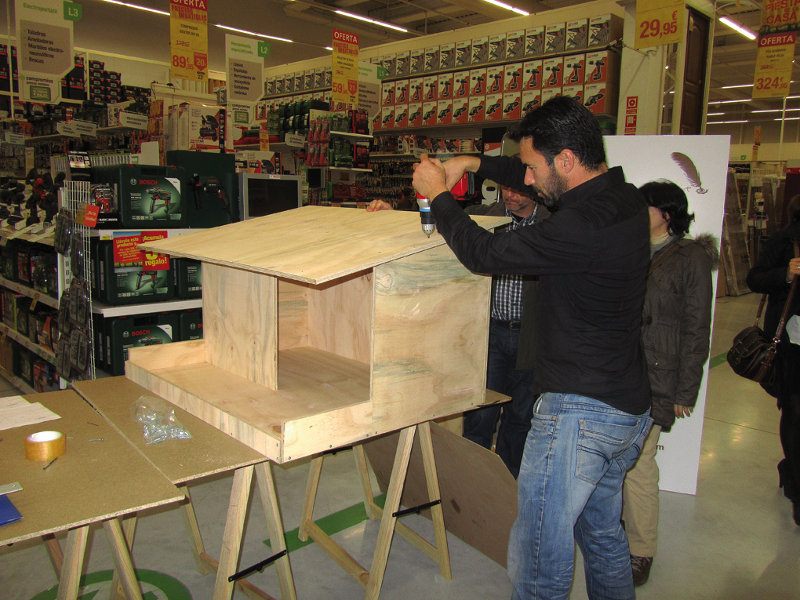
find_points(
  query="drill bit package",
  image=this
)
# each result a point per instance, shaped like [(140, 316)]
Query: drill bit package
[(158, 420)]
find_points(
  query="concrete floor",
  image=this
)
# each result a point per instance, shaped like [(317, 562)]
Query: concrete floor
[(734, 540)]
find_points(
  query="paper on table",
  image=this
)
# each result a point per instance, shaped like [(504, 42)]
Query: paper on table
[(15, 411)]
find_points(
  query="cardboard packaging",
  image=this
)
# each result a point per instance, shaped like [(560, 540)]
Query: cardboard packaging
[(461, 84), (429, 113), (600, 98), (463, 52), (415, 114), (400, 115), (574, 69), (444, 109), (512, 77), (532, 75), (387, 93), (187, 278), (477, 109), (387, 118), (416, 61), (388, 63), (497, 48), (602, 66), (431, 59), (494, 79), (553, 75), (401, 91), (548, 93), (530, 99), (460, 110), (603, 29), (494, 107), (445, 86), (577, 34), (575, 91), (402, 62), (430, 87), (534, 41), (447, 56), (512, 105), (477, 79), (416, 89), (480, 50), (555, 38), (515, 44)]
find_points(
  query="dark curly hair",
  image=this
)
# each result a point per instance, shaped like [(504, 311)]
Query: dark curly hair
[(670, 199)]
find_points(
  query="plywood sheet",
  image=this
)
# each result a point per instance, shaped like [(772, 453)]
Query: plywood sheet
[(92, 481), (208, 452), (430, 338), (479, 495), (313, 243)]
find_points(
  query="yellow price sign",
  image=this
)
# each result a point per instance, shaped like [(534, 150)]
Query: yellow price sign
[(774, 65), (658, 26)]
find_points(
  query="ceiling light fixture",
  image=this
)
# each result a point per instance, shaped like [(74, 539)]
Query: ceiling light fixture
[(729, 101), (725, 122), (519, 11), (774, 110), (138, 7), (715, 114), (733, 87), (738, 28), (328, 48), (263, 35), (350, 15)]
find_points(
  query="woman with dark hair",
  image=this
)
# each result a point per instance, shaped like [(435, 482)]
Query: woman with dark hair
[(676, 325), (773, 274)]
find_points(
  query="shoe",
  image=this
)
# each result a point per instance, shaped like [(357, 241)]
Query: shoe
[(640, 565), (796, 512)]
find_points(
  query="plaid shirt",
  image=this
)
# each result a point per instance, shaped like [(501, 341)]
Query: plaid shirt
[(507, 289)]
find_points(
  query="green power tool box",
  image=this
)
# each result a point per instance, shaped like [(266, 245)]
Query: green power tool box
[(123, 333), (190, 323), (188, 276), (212, 187), (129, 284)]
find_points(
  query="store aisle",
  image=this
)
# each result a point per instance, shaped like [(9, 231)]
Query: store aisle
[(735, 540)]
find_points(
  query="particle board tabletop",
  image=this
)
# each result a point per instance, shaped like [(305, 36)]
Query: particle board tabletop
[(314, 244), (209, 451), (92, 482)]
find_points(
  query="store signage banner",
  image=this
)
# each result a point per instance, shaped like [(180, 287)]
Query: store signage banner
[(774, 65), (658, 22), (188, 36), (780, 14), (344, 81), (699, 165), (44, 34), (245, 69), (369, 88)]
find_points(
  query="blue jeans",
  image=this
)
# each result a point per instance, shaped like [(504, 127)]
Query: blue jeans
[(503, 376), (570, 488)]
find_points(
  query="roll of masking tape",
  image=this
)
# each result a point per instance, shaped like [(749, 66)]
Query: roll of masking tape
[(45, 445)]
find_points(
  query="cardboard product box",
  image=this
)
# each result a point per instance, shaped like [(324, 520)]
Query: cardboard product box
[(553, 72), (416, 87), (319, 78), (112, 76), (430, 60), (45, 377), (602, 66), (555, 38), (444, 86), (269, 86), (548, 93), (134, 332), (377, 120), (534, 41), (574, 69), (387, 117), (577, 34), (512, 77), (389, 65), (463, 52), (401, 91), (288, 83), (416, 61), (23, 364), (190, 324), (415, 114), (603, 29), (130, 283), (460, 110), (601, 98), (444, 112), (299, 81), (7, 354), (477, 82), (401, 63), (515, 44), (215, 202), (575, 91), (461, 84), (532, 71), (188, 277), (328, 75), (530, 99), (477, 109), (97, 65), (447, 56), (199, 128), (308, 79), (512, 105), (279, 84), (494, 107), (387, 93), (400, 115), (430, 88), (429, 113), (494, 79), (480, 50)]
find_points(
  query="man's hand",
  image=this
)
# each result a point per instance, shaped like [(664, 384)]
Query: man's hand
[(682, 411), (457, 166), (430, 177), (376, 205)]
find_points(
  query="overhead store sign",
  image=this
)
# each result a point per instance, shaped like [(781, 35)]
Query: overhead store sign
[(780, 15), (44, 37), (774, 65), (188, 36), (344, 80), (658, 22), (245, 69)]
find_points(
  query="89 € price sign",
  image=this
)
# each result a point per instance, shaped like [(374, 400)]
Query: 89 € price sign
[(658, 22), (774, 65)]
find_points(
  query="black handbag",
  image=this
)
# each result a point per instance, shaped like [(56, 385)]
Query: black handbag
[(752, 354)]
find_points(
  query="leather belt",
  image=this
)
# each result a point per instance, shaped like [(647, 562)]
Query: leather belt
[(512, 325)]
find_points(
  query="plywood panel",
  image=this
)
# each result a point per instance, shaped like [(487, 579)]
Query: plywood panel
[(240, 327), (341, 317), (292, 314), (313, 244), (430, 338)]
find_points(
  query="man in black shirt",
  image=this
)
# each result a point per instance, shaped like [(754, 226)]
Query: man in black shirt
[(592, 413)]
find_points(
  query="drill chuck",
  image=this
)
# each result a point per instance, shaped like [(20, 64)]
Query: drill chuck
[(426, 216)]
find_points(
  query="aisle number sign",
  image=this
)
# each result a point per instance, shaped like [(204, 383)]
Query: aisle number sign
[(344, 80), (774, 65), (658, 22), (44, 31), (188, 36)]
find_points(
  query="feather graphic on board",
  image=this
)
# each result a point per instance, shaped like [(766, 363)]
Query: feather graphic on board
[(690, 170)]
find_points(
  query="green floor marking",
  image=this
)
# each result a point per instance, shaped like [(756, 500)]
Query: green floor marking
[(719, 359), (166, 586)]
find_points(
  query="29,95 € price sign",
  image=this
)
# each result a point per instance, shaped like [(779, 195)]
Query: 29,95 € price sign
[(774, 65), (658, 22)]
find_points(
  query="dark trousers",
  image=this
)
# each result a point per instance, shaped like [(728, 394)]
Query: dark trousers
[(789, 403), (515, 416)]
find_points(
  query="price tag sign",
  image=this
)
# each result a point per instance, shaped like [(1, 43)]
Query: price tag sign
[(344, 82), (774, 65), (90, 215), (658, 23), (188, 29)]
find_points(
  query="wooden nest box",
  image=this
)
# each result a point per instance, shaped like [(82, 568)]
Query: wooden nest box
[(324, 326)]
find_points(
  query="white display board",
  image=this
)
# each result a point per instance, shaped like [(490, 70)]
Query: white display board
[(699, 164)]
